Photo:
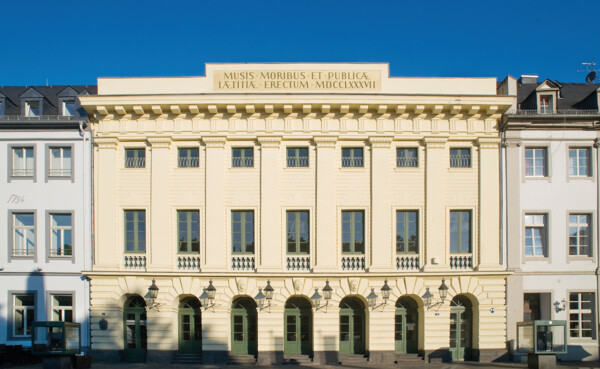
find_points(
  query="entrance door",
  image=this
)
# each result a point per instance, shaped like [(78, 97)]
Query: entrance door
[(244, 327), (352, 326), (134, 321), (190, 326), (298, 327), (460, 329), (406, 326)]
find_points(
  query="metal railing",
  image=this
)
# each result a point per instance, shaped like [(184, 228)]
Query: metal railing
[(59, 172), (188, 262), (242, 162), (61, 252), (298, 263), (557, 112), (134, 261), (460, 161), (407, 262), (242, 263), (23, 172), (188, 162), (23, 252), (38, 118), (404, 162), (461, 261), (353, 263), (297, 162), (135, 162), (352, 162)]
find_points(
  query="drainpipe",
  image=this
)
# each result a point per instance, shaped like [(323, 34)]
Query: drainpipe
[(596, 144)]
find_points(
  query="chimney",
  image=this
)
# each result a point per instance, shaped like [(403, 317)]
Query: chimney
[(527, 79)]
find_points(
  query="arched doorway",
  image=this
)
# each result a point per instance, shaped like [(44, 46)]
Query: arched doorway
[(352, 326), (190, 326), (244, 327), (406, 326), (461, 328), (298, 326), (134, 322)]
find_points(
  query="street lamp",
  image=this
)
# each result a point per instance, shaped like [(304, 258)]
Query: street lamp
[(372, 299), (152, 295), (316, 297), (327, 290), (443, 290), (260, 298), (269, 292), (385, 292), (427, 298), (208, 296)]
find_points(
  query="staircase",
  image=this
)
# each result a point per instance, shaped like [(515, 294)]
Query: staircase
[(353, 359), (187, 359), (297, 360), (409, 359), (241, 360)]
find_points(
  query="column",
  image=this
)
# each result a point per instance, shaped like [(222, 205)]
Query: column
[(326, 250), (107, 246), (159, 217), (381, 249), (270, 246), (215, 247), (435, 250), (489, 204)]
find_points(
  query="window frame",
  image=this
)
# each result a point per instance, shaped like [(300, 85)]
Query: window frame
[(136, 162), (590, 235), (189, 161), (247, 161), (589, 168), (64, 101), (406, 226), (11, 163), (399, 157), (28, 107), (297, 158), (243, 244), (580, 311), (459, 233), (352, 242), (352, 159), (50, 237), (546, 167), (545, 235), (189, 231), (11, 326), (49, 148), (457, 153), (50, 298), (136, 230), (298, 222), (11, 249), (545, 108)]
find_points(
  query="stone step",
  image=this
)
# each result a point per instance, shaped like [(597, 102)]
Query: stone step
[(408, 358), (241, 359), (353, 359), (187, 359), (297, 359)]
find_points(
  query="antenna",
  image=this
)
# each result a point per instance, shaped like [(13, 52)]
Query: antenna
[(592, 72)]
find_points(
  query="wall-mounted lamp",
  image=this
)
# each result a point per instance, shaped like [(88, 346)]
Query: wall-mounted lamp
[(316, 297), (152, 295), (560, 305), (208, 296), (268, 296), (428, 296), (385, 294)]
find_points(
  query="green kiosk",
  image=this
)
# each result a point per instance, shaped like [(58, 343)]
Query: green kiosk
[(60, 344), (542, 340)]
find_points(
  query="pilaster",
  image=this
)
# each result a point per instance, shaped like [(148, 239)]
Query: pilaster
[(215, 247), (105, 252)]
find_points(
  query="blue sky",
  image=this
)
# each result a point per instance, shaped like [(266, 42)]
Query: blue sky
[(74, 42)]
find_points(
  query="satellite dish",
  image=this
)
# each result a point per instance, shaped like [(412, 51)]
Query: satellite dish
[(591, 77)]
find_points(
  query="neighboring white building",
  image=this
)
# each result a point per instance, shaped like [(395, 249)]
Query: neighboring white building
[(46, 209), (550, 154)]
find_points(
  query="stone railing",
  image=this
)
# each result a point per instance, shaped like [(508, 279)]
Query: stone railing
[(242, 262), (134, 261), (407, 262), (298, 263), (461, 261), (353, 262), (188, 262)]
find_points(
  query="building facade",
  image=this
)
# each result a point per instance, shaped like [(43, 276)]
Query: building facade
[(291, 211), (45, 146), (550, 156)]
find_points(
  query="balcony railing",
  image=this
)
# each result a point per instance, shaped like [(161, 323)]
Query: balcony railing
[(242, 162), (353, 262), (561, 112), (407, 262), (135, 162), (300, 162), (460, 161), (188, 162), (461, 261), (59, 172), (134, 261), (188, 262), (38, 118), (407, 162), (61, 252), (23, 252), (298, 263), (242, 262), (352, 162)]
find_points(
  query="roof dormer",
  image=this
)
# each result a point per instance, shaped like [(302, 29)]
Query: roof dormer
[(546, 97), (32, 103), (2, 104), (67, 102)]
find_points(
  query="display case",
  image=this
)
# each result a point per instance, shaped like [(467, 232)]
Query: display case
[(55, 338), (542, 337)]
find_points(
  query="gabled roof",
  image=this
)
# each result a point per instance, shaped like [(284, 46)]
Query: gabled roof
[(571, 95), (51, 95)]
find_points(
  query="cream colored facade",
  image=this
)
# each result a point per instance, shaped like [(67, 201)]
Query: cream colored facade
[(325, 108)]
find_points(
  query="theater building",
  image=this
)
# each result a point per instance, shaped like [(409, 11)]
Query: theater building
[(297, 212)]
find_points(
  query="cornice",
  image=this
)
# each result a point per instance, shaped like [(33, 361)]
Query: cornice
[(159, 141), (106, 142), (269, 141), (214, 141), (488, 142), (325, 141), (435, 142), (380, 141)]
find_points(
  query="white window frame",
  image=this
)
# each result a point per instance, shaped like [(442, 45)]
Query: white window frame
[(546, 104), (531, 222), (62, 170), (29, 110), (60, 309), (534, 168), (54, 249), (63, 107), (580, 225), (577, 167), (24, 230), (25, 309), (23, 170), (2, 107), (579, 311)]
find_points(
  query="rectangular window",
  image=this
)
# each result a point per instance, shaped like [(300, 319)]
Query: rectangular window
[(1, 108), (188, 229), (535, 235), (407, 238), (460, 231), (135, 158), (579, 235), (460, 158), (61, 235), (581, 315), (23, 314), (23, 164), (579, 162), (352, 157), (297, 157), (531, 307), (407, 158), (242, 232), (353, 232), (242, 157), (546, 104), (188, 158), (535, 162), (23, 234), (62, 308), (32, 109), (68, 108), (135, 231), (60, 162), (297, 232)]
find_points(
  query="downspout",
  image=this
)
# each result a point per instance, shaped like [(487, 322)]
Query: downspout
[(86, 265), (596, 144)]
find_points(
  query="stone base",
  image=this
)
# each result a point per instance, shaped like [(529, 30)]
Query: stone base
[(489, 355), (107, 356), (215, 357), (441, 355), (325, 358), (269, 358), (535, 361), (160, 356), (57, 362), (382, 357)]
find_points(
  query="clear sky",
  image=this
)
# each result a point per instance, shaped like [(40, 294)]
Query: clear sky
[(74, 42)]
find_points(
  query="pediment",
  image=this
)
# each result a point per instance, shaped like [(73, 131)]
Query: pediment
[(68, 92), (32, 93), (547, 85)]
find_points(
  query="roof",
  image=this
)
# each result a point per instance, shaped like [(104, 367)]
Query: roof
[(571, 95), (51, 95)]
